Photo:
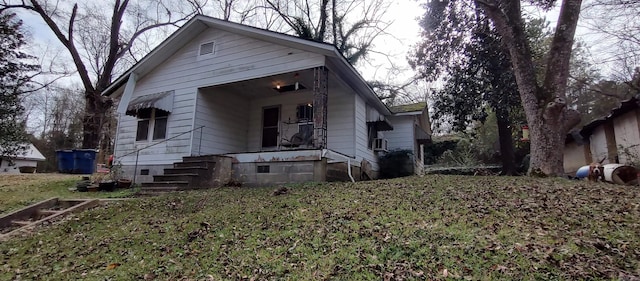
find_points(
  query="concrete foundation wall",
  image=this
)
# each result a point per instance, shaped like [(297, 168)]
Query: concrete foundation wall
[(127, 172), (222, 172), (283, 172), (340, 172)]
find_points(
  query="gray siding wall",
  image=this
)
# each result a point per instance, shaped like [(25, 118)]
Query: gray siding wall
[(179, 121), (225, 120), (341, 121), (402, 135), (362, 149)]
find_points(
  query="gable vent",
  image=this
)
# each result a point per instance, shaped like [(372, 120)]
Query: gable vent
[(207, 48)]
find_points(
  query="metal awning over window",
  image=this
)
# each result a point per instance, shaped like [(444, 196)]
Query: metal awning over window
[(162, 101), (377, 120), (381, 125)]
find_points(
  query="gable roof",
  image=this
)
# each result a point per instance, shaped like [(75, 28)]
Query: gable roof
[(586, 131), (190, 30), (31, 153)]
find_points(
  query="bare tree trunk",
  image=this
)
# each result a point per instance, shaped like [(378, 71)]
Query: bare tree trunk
[(106, 59), (507, 155), (548, 116), (93, 120)]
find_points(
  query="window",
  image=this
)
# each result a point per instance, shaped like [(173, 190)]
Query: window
[(263, 169), (304, 112), (207, 48), (152, 123), (160, 128), (372, 134), (143, 130)]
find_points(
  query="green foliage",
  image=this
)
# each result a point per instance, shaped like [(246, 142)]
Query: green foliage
[(396, 163), (416, 228), (14, 81), (464, 50), (485, 139), (434, 150), (464, 155)]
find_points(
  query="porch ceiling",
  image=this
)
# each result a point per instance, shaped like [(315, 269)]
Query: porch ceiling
[(264, 87)]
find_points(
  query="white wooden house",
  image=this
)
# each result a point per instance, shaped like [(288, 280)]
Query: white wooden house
[(411, 131), (274, 107), (26, 161)]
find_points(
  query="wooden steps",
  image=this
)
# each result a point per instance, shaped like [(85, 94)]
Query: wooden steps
[(39, 213)]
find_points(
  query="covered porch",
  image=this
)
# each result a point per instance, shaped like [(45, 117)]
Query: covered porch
[(275, 113)]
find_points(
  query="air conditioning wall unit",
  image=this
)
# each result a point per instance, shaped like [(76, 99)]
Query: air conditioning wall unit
[(380, 145)]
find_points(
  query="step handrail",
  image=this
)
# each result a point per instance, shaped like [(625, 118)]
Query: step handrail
[(137, 151), (163, 141)]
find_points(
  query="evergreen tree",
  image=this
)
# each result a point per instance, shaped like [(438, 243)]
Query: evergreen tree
[(14, 81), (464, 51)]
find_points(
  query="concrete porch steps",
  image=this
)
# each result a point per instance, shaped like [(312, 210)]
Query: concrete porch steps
[(194, 164), (193, 172)]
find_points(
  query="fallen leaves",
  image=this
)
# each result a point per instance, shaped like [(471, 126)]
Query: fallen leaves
[(112, 266), (432, 227)]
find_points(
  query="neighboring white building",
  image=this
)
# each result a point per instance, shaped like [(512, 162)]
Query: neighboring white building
[(611, 139), (275, 104), (29, 158), (411, 131)]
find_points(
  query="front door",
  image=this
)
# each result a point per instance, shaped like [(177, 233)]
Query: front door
[(270, 121)]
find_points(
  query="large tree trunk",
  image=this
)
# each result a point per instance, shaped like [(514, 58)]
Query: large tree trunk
[(548, 117), (547, 146), (94, 119), (507, 154)]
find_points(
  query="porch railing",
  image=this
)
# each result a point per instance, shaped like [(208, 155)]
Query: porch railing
[(137, 151)]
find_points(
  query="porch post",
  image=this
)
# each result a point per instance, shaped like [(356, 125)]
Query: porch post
[(320, 97)]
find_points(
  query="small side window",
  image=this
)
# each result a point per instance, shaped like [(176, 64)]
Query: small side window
[(263, 169)]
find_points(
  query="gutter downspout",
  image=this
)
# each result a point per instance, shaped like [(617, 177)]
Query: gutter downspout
[(326, 151)]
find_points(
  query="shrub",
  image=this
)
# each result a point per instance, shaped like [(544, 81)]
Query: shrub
[(434, 150), (396, 163)]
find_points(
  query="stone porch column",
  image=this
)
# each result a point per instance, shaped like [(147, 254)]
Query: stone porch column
[(320, 98)]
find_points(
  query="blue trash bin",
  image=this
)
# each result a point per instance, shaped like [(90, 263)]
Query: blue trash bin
[(84, 161), (65, 161)]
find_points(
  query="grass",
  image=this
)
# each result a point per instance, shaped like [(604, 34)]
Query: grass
[(20, 190), (433, 227)]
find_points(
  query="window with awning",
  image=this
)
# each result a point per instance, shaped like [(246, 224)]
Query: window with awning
[(152, 112), (142, 106)]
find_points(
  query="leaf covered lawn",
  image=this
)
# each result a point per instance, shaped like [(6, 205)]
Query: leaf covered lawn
[(433, 227), (20, 190)]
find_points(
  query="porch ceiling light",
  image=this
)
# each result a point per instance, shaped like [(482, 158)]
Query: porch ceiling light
[(288, 88)]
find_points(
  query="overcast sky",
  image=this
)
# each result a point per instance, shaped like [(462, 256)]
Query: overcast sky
[(390, 50)]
